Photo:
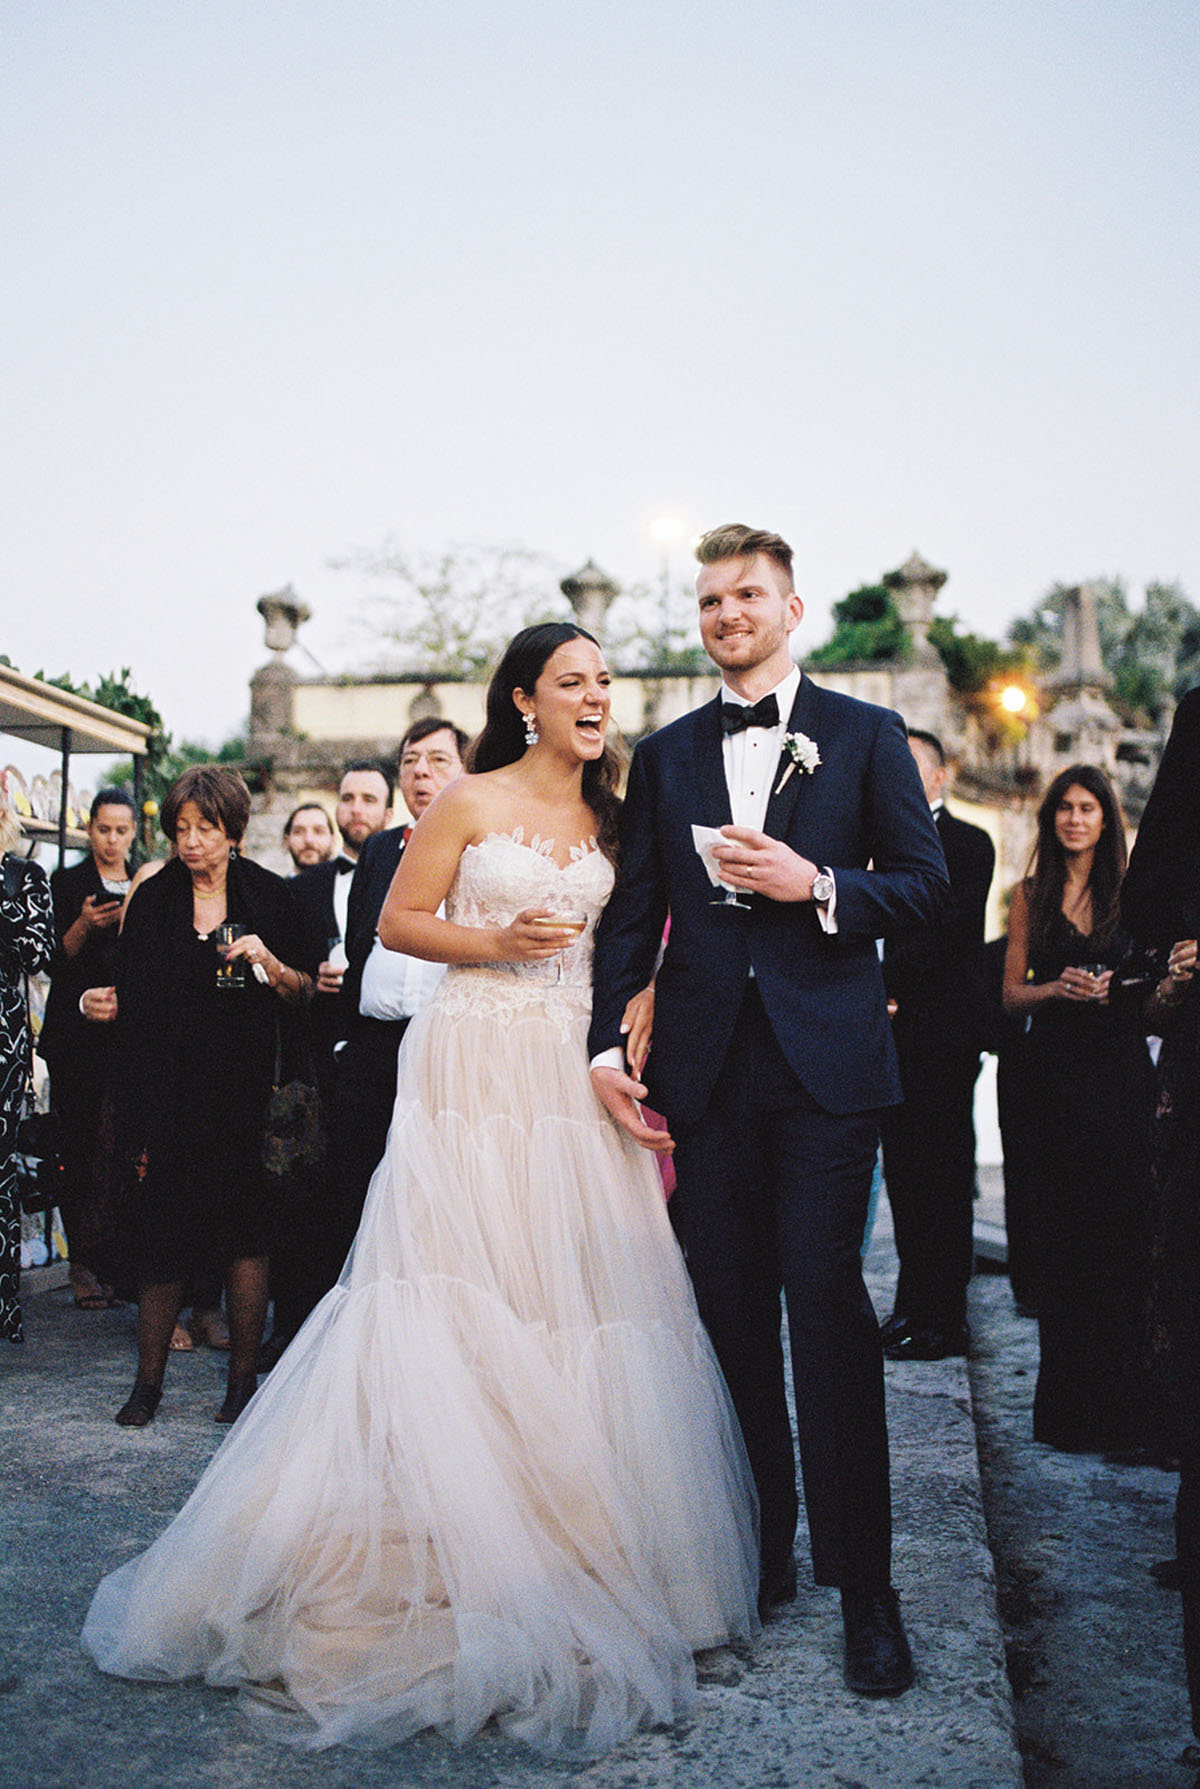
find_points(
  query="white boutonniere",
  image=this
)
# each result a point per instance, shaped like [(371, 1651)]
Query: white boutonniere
[(803, 753)]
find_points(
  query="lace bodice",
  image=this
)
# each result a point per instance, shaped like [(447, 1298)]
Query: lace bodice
[(496, 880)]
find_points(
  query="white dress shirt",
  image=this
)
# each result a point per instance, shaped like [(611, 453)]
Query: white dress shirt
[(752, 756), (341, 909), (395, 986), (752, 769)]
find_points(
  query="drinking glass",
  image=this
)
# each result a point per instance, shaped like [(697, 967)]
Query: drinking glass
[(570, 922), (1095, 970), (230, 973)]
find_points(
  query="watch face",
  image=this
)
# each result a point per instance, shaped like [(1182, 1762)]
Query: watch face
[(822, 888)]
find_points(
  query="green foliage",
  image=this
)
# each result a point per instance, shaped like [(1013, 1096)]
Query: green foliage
[(866, 629), (973, 662), (164, 761)]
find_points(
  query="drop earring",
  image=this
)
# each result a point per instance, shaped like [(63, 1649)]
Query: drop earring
[(531, 732)]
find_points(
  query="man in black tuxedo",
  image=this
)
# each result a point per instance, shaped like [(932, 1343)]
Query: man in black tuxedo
[(322, 893), (935, 976), (300, 1260), (772, 1055), (381, 990), (308, 835)]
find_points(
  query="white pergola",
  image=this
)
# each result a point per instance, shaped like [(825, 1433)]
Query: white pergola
[(43, 715)]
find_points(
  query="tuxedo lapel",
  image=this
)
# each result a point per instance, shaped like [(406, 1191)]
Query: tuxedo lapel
[(782, 802), (710, 768)]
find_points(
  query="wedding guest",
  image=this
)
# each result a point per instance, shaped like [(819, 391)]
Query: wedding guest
[(26, 944), (322, 894), (383, 990), (1089, 1084), (199, 1025), (106, 1221), (88, 901), (308, 835), (306, 1261), (934, 977)]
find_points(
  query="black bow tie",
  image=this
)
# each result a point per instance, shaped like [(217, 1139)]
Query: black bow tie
[(736, 716), (343, 866)]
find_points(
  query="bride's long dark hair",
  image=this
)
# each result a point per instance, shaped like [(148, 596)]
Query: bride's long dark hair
[(502, 740)]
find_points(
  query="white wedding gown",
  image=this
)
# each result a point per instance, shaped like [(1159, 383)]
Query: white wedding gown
[(497, 1474)]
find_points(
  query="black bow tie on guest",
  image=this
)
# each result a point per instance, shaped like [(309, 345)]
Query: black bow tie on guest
[(343, 866), (736, 716)]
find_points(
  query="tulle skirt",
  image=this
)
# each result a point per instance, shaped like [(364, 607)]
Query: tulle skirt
[(497, 1474)]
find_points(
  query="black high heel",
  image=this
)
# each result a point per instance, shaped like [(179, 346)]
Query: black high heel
[(138, 1409), (237, 1395)]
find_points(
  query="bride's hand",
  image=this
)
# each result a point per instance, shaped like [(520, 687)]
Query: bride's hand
[(533, 937), (637, 1027), (621, 1097)]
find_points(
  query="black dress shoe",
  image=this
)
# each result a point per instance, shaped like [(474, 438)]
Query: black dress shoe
[(237, 1396), (878, 1660), (138, 1409), (776, 1588), (1165, 1573), (892, 1326), (927, 1343)]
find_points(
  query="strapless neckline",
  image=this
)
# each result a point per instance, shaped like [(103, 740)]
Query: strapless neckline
[(543, 848)]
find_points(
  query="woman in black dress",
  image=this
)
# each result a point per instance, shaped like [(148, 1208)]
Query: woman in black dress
[(26, 940), (194, 1064), (1090, 1091), (88, 898)]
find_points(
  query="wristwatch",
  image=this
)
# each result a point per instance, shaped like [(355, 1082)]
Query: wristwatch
[(823, 888)]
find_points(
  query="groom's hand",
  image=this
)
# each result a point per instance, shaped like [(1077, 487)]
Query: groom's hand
[(619, 1095), (758, 864)]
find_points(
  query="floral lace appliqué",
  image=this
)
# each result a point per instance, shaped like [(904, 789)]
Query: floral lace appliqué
[(497, 879)]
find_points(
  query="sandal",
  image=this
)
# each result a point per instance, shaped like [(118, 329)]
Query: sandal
[(90, 1295), (181, 1341), (208, 1329)]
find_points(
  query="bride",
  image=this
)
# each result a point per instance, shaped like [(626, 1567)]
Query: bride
[(497, 1473)]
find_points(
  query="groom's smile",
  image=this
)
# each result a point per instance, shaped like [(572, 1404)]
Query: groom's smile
[(748, 608)]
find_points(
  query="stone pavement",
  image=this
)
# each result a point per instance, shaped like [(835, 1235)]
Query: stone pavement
[(80, 1495)]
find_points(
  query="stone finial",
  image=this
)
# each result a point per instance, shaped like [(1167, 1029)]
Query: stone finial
[(284, 615), (1081, 723), (914, 589), (1080, 666), (590, 592)]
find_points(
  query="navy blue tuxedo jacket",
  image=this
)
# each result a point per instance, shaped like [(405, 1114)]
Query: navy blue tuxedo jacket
[(823, 995)]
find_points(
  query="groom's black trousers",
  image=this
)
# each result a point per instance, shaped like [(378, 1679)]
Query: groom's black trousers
[(772, 1196)]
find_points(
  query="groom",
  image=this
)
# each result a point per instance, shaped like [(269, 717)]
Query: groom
[(772, 1056)]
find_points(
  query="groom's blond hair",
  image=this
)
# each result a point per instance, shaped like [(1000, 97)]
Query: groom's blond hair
[(733, 540)]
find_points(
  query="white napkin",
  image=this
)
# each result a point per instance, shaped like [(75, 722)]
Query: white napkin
[(704, 838)]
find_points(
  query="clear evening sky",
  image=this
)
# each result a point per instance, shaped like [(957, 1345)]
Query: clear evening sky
[(282, 279)]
